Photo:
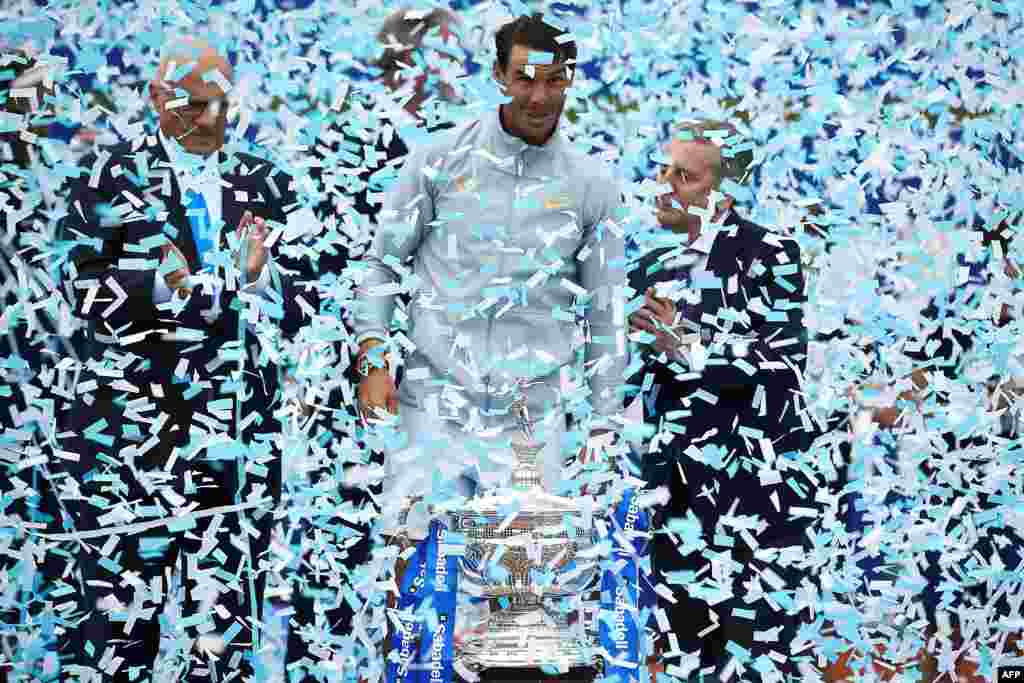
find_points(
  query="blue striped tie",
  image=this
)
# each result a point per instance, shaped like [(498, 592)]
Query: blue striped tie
[(199, 219)]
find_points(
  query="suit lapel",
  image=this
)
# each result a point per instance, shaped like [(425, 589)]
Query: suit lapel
[(727, 260), (184, 240), (239, 177)]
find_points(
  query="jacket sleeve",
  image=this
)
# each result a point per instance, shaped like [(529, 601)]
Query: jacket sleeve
[(773, 322), (601, 271), (408, 207), (112, 275)]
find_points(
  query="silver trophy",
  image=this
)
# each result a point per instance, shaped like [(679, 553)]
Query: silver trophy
[(525, 564), (529, 561)]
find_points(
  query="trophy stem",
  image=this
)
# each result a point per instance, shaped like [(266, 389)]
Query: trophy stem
[(526, 473)]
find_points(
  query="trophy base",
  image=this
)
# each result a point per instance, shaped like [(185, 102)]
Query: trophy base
[(521, 639), (524, 675)]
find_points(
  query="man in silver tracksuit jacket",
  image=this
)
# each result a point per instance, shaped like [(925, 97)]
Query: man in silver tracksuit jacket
[(505, 237), (516, 253)]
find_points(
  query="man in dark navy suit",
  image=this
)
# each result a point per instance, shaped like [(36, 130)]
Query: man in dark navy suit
[(722, 358), (167, 456)]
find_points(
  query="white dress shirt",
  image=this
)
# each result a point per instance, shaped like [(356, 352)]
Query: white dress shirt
[(207, 182), (696, 255)]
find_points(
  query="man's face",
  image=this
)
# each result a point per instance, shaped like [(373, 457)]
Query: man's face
[(692, 178), (198, 124), (537, 92)]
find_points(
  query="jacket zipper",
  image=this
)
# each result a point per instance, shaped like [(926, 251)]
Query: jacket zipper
[(519, 166)]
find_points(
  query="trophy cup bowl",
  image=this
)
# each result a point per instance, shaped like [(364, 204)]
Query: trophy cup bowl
[(536, 552), (521, 549)]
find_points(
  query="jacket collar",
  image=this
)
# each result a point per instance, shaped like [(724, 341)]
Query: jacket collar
[(704, 241), (665, 238), (506, 146), (732, 218)]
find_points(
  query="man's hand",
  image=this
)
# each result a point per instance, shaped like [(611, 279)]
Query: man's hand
[(177, 280), (377, 389), (668, 215), (657, 316), (257, 248)]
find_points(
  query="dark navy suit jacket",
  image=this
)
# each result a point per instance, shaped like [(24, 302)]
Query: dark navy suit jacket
[(761, 297), (116, 223)]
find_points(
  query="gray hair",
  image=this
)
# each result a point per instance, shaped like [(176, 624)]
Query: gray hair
[(407, 27), (732, 164)]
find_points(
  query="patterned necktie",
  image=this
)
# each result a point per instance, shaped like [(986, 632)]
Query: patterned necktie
[(199, 219)]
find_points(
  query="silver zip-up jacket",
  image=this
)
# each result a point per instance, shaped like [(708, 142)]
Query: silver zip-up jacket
[(511, 246)]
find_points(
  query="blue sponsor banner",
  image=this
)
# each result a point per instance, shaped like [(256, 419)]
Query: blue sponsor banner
[(426, 650), (405, 640), (619, 628), (438, 645)]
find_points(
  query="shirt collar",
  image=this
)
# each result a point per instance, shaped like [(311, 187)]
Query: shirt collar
[(189, 168), (503, 144), (704, 241)]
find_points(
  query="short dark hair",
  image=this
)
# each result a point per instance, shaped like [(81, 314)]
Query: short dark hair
[(532, 32), (408, 28)]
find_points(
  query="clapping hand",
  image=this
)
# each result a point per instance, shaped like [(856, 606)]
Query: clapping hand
[(257, 248), (657, 316), (177, 280)]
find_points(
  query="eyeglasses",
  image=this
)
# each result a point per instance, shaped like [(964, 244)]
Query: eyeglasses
[(190, 108)]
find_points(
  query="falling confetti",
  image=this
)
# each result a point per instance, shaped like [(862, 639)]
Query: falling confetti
[(887, 147)]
